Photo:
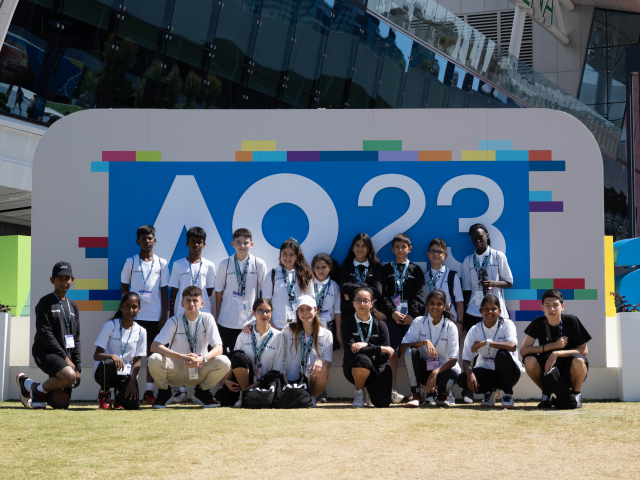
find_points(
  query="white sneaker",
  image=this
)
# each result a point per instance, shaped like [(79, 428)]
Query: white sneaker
[(314, 402), (452, 398), (396, 397), (430, 399), (367, 398), (507, 401), (489, 399), (358, 399), (238, 404), (179, 396)]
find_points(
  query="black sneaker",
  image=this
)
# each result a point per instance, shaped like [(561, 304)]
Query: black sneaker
[(545, 403), (204, 398), (322, 398), (578, 397), (38, 399), (163, 398), (467, 396), (25, 395)]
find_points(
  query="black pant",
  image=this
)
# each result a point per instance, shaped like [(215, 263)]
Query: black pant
[(563, 364), (226, 397), (421, 374), (378, 383), (106, 376), (504, 377), (228, 337)]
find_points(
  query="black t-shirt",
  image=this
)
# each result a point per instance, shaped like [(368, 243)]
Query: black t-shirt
[(571, 328), (51, 328)]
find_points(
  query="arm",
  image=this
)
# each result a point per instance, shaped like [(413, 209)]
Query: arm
[(448, 365), (497, 283), (131, 391), (45, 335), (99, 356), (472, 383), (164, 295), (419, 300), (338, 319), (459, 320), (347, 286), (528, 348), (172, 301), (218, 303), (125, 276), (124, 288), (157, 347), (75, 352)]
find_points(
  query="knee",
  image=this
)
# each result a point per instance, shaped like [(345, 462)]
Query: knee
[(68, 376), (239, 359), (222, 362), (361, 361), (578, 365), (154, 360), (531, 365)]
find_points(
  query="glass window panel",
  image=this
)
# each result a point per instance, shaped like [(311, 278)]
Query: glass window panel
[(347, 25), (262, 91), (616, 75), (111, 3), (184, 62), (598, 35), (195, 20), (460, 89), (155, 12), (623, 28), (293, 97), (368, 66), (615, 113), (275, 35), (593, 88), (236, 29), (322, 103), (224, 88), (399, 13), (307, 53), (394, 68), (418, 77), (440, 84)]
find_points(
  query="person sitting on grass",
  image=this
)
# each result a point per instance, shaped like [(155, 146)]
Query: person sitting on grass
[(56, 346), (257, 352), (365, 339), (568, 352), (187, 361), (494, 342), (430, 349), (119, 348)]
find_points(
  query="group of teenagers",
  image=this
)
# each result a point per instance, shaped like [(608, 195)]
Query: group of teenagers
[(288, 320)]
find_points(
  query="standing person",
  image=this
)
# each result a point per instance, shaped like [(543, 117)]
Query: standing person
[(286, 283), (238, 283), (360, 269), (195, 271), (431, 352), (366, 352), (148, 275), (56, 345), (187, 361), (119, 349), (256, 353), (562, 343), (308, 347), (404, 298), (494, 342), (485, 270), (19, 99)]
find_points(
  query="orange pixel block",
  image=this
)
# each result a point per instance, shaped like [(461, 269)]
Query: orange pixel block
[(89, 305), (244, 156), (539, 155), (434, 155)]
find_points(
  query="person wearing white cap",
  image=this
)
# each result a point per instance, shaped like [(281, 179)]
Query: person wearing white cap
[(308, 347)]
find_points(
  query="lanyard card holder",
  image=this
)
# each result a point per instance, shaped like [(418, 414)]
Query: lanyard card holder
[(193, 373), (290, 314), (145, 296), (489, 363), (126, 370), (69, 341), (432, 365)]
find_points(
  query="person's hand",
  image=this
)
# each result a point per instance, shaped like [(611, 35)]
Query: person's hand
[(191, 360), (472, 383), (76, 384), (162, 321), (408, 319), (131, 392), (388, 350), (460, 331), (433, 354), (356, 347), (233, 386), (246, 329), (559, 343), (398, 317), (316, 368), (70, 363), (551, 361), (431, 381), (118, 363), (487, 283), (477, 346)]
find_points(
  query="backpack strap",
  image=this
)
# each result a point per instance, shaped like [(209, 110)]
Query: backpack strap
[(273, 281), (174, 332), (450, 279)]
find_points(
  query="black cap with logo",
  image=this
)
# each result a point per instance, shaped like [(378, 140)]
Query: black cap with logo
[(61, 269)]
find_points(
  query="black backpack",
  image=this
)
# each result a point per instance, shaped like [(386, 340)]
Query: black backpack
[(555, 387)]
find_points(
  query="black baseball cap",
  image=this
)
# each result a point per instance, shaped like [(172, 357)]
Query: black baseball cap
[(61, 269)]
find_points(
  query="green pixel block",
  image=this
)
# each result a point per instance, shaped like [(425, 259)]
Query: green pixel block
[(15, 278), (382, 145), (541, 283), (587, 294), (110, 305), (150, 156)]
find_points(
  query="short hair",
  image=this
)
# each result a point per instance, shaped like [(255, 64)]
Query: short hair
[(400, 238), (477, 226), (552, 293), (146, 230), (192, 291), (439, 242), (322, 257), (242, 232), (196, 232)]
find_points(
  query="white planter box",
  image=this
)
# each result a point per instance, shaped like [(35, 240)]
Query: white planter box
[(628, 356), (5, 354)]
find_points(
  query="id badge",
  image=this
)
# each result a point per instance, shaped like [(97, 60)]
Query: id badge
[(69, 342), (193, 374), (237, 300), (290, 314), (396, 301), (477, 297), (404, 308), (432, 365), (325, 318), (244, 311), (145, 296), (489, 363), (126, 371)]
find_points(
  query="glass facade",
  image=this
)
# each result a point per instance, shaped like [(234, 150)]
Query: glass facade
[(61, 56)]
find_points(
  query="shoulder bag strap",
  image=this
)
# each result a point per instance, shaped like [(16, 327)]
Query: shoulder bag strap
[(450, 280)]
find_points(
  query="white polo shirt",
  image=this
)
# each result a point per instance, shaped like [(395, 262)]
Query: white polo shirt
[(272, 357), (442, 283), (173, 333), (135, 340), (331, 302), (497, 269), (444, 336), (154, 279), (294, 355), (507, 333), (279, 295), (183, 275), (227, 283)]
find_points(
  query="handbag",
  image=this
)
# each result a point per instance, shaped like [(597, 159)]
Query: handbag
[(262, 395), (294, 394)]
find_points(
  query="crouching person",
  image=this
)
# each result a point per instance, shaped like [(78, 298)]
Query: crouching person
[(562, 344), (187, 360)]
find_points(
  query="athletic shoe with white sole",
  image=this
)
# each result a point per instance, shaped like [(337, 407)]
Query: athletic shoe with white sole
[(578, 398), (322, 398), (396, 397), (314, 402), (104, 400), (25, 395), (467, 397), (489, 399), (442, 399), (149, 397), (507, 401), (163, 398), (179, 396), (204, 398), (358, 399), (452, 398), (38, 399), (414, 400), (545, 403), (430, 399), (238, 404)]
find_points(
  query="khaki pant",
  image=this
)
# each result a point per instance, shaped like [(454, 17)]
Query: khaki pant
[(166, 371)]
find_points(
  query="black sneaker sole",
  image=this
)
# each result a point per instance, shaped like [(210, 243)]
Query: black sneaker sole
[(197, 401), (160, 405)]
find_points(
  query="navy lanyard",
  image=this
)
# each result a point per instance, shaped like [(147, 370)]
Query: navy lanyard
[(67, 318), (193, 341), (485, 262), (291, 287), (361, 278), (241, 278), (305, 347), (399, 280), (323, 294), (434, 280), (362, 339), (258, 351)]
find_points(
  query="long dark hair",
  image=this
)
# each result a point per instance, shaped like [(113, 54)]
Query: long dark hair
[(489, 298), (371, 252), (435, 293), (303, 271), (316, 324), (375, 313), (124, 298)]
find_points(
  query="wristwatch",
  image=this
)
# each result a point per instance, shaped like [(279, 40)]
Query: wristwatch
[(488, 343), (204, 360)]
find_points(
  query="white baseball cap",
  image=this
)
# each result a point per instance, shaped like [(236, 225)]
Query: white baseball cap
[(306, 300)]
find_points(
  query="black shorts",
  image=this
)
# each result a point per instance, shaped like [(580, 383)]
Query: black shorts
[(469, 321), (152, 332), (563, 364), (228, 337), (49, 363)]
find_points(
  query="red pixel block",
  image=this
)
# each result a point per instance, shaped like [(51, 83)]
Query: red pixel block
[(568, 283), (93, 242)]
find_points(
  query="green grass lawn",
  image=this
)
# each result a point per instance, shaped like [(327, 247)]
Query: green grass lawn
[(601, 440)]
